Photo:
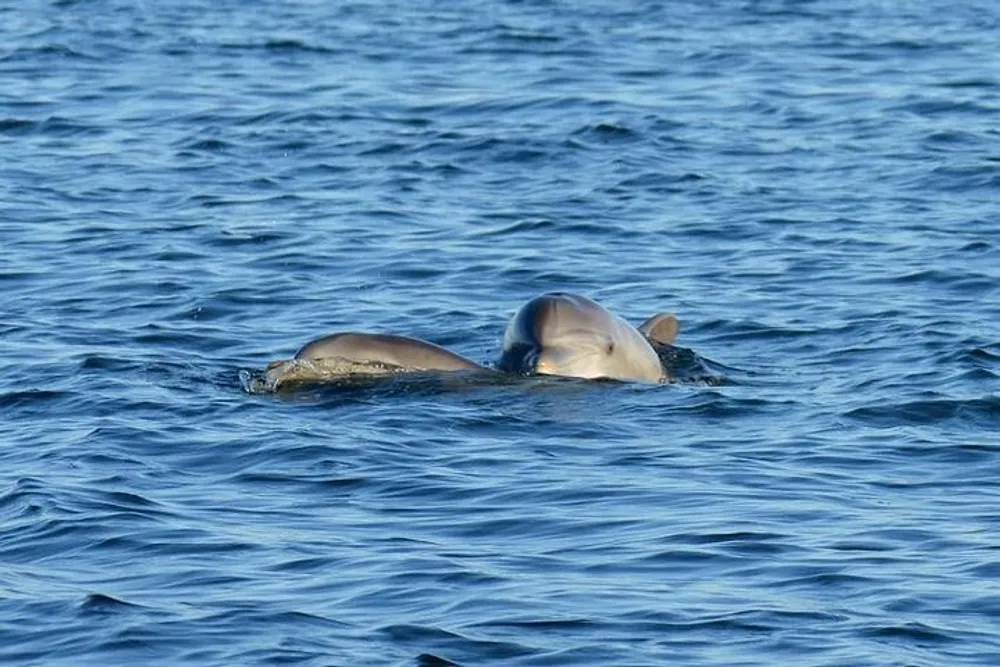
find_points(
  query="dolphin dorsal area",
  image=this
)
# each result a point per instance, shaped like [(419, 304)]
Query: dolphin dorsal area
[(661, 328), (392, 349)]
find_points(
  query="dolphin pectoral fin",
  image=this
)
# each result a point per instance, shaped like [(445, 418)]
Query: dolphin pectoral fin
[(661, 328)]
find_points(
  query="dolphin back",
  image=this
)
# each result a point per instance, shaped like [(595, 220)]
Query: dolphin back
[(400, 351)]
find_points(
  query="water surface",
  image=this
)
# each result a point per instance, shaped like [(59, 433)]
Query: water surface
[(191, 189)]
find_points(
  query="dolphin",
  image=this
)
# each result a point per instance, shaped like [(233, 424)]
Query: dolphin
[(570, 335), (353, 354), (393, 350)]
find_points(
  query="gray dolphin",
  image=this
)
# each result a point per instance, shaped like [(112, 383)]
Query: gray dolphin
[(401, 351), (570, 335), (351, 354)]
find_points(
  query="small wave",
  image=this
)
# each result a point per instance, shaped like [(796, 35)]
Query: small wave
[(16, 126), (30, 397), (454, 642), (47, 52), (287, 45), (106, 604), (983, 411), (920, 633), (607, 133), (207, 145), (431, 660), (53, 126)]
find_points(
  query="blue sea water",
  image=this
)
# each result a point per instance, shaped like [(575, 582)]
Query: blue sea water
[(191, 189)]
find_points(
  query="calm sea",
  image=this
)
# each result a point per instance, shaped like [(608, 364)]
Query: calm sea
[(191, 189)]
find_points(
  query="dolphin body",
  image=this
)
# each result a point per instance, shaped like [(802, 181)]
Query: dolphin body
[(392, 350), (553, 334), (573, 336), (348, 354)]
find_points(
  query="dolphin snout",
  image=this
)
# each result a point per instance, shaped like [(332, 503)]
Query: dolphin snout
[(544, 367), (551, 361)]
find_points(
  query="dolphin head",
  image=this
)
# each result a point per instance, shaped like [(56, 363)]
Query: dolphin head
[(570, 335), (590, 360), (572, 344)]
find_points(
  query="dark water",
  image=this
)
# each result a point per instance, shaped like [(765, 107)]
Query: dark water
[(191, 189)]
